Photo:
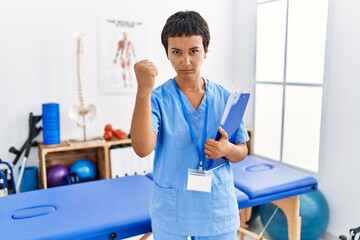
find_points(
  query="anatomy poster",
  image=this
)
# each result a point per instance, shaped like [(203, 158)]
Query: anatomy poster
[(121, 44)]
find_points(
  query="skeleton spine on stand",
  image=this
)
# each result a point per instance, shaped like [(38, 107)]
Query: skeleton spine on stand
[(82, 113)]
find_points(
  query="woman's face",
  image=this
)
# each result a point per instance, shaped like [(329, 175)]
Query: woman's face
[(186, 55)]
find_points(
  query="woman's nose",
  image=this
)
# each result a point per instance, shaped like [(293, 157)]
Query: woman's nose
[(186, 60)]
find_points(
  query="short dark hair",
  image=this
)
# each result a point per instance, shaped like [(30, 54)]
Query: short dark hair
[(189, 23)]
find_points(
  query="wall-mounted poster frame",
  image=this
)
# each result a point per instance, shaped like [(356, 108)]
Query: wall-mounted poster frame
[(121, 43)]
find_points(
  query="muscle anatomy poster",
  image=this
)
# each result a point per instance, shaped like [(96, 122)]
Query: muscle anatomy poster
[(120, 44)]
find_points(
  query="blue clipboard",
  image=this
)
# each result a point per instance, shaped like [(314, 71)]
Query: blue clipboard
[(230, 121)]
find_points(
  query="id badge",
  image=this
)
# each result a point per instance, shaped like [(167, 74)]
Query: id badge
[(199, 181)]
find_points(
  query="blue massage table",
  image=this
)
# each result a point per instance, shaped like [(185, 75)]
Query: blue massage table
[(119, 208), (258, 181), (104, 209)]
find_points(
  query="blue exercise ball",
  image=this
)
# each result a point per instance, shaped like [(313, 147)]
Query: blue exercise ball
[(314, 212), (82, 170), (57, 175)]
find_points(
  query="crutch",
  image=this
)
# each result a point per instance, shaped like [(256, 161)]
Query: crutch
[(33, 131)]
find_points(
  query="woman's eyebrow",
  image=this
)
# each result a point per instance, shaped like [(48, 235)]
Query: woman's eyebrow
[(194, 48)]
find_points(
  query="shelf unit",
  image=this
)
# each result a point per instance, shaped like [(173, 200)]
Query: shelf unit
[(98, 152)]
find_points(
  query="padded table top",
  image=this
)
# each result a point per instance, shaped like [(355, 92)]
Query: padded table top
[(259, 181), (265, 181), (93, 209)]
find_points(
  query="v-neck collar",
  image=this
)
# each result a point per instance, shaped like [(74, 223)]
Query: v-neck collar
[(189, 107)]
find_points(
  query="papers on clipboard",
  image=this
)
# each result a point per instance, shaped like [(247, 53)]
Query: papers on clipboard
[(230, 122)]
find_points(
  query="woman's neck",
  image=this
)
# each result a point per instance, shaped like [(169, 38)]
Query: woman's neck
[(193, 90), (189, 85)]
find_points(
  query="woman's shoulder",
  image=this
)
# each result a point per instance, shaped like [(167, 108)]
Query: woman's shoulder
[(217, 89), (164, 87)]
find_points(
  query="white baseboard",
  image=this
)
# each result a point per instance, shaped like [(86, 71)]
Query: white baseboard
[(329, 236)]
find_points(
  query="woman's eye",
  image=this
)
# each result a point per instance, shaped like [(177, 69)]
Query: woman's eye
[(176, 52)]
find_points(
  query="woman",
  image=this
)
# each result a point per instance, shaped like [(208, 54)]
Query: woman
[(179, 120)]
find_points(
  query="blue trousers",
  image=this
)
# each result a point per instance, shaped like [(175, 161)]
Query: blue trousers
[(160, 235)]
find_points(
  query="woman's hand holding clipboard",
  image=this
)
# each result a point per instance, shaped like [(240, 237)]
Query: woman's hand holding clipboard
[(230, 122)]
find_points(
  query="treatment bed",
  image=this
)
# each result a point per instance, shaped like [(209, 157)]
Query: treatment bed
[(258, 181), (105, 209), (119, 208), (264, 181)]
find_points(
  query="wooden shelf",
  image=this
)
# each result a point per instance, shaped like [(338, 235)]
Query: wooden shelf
[(67, 153), (98, 152)]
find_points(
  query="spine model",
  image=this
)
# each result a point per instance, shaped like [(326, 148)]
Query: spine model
[(82, 113), (79, 72)]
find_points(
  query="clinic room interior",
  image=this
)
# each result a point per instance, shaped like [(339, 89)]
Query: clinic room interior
[(298, 59)]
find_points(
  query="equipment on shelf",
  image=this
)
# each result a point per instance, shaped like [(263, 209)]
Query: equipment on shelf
[(57, 175), (82, 170)]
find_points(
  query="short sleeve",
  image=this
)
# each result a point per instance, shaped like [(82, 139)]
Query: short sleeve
[(155, 112), (242, 135)]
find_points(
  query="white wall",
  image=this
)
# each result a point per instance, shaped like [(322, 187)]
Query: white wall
[(341, 163), (37, 59), (245, 34), (37, 64)]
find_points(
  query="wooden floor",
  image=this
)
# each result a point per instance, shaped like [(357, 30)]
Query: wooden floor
[(255, 227)]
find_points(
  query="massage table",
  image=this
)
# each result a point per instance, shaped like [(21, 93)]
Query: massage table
[(105, 209), (119, 208), (263, 181), (258, 181)]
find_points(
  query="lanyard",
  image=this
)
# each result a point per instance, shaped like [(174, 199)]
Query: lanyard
[(200, 149)]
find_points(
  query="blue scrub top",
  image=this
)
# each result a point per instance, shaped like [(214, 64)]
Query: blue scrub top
[(173, 208)]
